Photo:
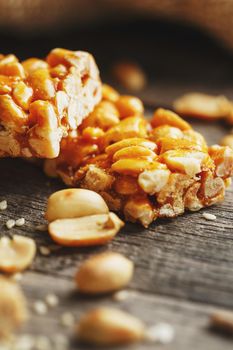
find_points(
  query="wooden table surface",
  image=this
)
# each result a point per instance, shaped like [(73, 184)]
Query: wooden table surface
[(183, 266)]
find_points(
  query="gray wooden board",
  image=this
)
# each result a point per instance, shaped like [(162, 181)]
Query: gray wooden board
[(184, 266)]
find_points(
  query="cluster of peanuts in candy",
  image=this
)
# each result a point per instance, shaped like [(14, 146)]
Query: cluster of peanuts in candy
[(145, 169), (42, 100)]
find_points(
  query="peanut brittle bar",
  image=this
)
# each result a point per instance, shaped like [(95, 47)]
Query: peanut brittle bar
[(42, 100), (143, 169)]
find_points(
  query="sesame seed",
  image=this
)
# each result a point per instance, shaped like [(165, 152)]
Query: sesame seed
[(40, 307), (209, 216), (3, 205), (162, 333), (10, 223), (51, 300), (20, 222), (44, 250), (17, 277), (67, 319), (121, 295)]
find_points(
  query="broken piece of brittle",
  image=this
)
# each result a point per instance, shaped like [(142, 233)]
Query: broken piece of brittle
[(143, 169), (42, 100)]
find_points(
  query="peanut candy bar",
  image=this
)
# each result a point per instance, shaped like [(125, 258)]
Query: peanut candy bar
[(42, 100), (143, 169)]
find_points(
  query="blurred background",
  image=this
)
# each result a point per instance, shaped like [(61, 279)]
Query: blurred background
[(181, 45)]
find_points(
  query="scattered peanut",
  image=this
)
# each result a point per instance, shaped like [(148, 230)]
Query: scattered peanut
[(40, 307), (130, 75), (13, 310), (51, 300), (166, 117), (106, 326), (44, 250), (222, 320), (74, 203), (162, 333), (203, 106), (121, 295), (129, 106), (104, 273), (16, 254), (85, 231), (67, 319)]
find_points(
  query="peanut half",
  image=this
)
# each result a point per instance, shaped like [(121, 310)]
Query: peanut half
[(85, 231), (107, 326), (13, 311), (104, 273), (74, 203), (16, 254)]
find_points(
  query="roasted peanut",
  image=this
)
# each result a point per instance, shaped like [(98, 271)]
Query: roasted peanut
[(32, 64), (227, 141), (16, 254), (152, 181), (23, 95), (137, 152), (74, 203), (13, 310), (191, 200), (140, 209), (91, 133), (106, 326), (12, 116), (96, 179), (128, 128), (14, 69), (223, 160), (86, 230), (166, 117), (129, 106), (202, 106), (131, 166), (46, 135), (167, 144), (222, 320), (103, 273), (165, 131), (134, 141), (109, 94), (197, 139), (104, 116), (42, 84), (186, 161), (130, 75)]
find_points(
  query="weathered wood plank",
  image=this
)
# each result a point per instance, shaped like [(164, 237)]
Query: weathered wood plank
[(190, 321)]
